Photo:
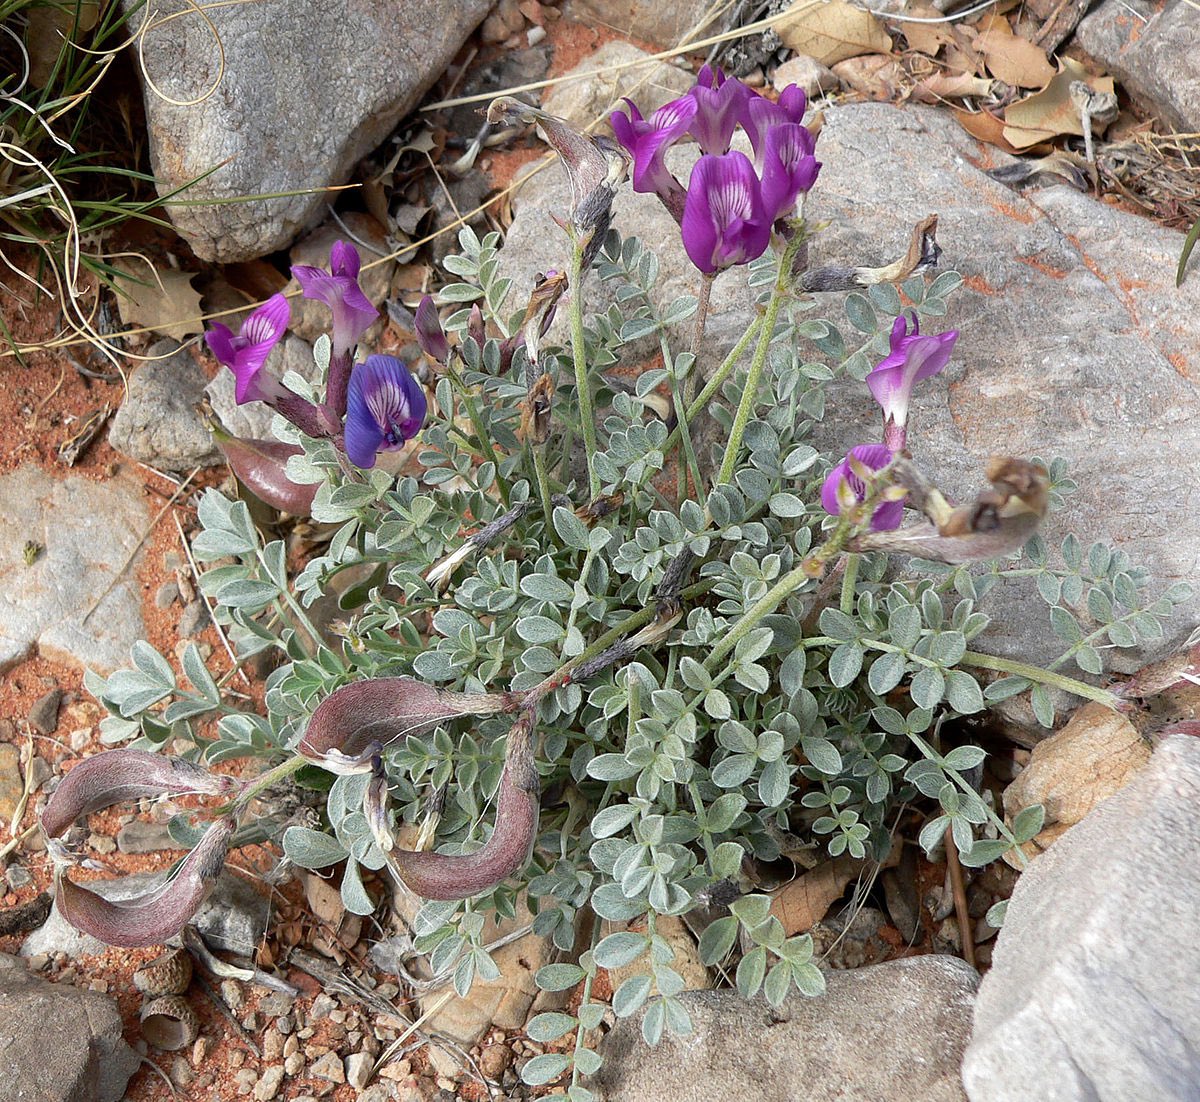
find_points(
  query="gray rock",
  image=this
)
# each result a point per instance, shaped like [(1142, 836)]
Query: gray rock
[(305, 92), (888, 1033), (1075, 342), (139, 836), (1154, 51), (43, 716), (58, 1043), (233, 918), (659, 22), (253, 420), (89, 530), (582, 99), (1092, 995), (813, 77), (158, 423)]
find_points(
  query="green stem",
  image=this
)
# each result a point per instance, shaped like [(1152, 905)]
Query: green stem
[(1040, 676), (764, 606), (715, 383), (543, 484), (476, 419), (265, 780), (587, 418), (746, 406), (849, 578), (585, 997), (679, 398)]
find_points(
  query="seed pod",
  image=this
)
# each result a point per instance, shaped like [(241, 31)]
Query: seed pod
[(169, 974), (352, 724), (261, 466), (170, 1023), (120, 775), (161, 913), (441, 876)]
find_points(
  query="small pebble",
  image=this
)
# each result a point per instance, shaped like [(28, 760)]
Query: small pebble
[(291, 1045), (322, 1006), (236, 1058), (272, 1045), (250, 1022), (43, 716), (285, 1025), (79, 738), (199, 1051), (231, 992), (268, 1086), (338, 1016), (18, 877), (181, 1073), (387, 991), (535, 35), (99, 985), (193, 620), (167, 595), (328, 1067), (358, 1070), (293, 1064), (245, 1080), (305, 1033), (274, 1004), (67, 975)]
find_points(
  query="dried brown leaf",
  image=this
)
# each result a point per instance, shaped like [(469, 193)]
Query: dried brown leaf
[(1051, 112), (985, 127), (943, 86), (163, 301), (879, 76), (926, 38), (832, 31), (1013, 59), (802, 903)]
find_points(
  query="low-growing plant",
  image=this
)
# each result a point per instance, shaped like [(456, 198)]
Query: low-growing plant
[(662, 661)]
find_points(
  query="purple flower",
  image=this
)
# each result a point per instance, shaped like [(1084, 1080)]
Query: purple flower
[(338, 288), (430, 334), (911, 359), (720, 105), (723, 219), (647, 141), (385, 408), (889, 514), (246, 353), (789, 168)]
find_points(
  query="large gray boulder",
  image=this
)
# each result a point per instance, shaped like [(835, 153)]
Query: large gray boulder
[(893, 1032), (58, 1043), (79, 599), (1075, 341), (1153, 49), (1094, 991), (297, 94)]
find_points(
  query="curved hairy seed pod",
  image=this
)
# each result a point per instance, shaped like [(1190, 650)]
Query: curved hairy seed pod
[(261, 466), (120, 775), (160, 914), (352, 724), (441, 876), (997, 523), (1158, 677)]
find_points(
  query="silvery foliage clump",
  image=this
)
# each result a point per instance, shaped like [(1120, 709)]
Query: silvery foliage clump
[(660, 776)]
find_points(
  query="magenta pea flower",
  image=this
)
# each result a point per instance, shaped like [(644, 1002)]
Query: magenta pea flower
[(385, 408), (352, 312), (789, 168), (246, 353), (647, 141), (888, 514), (911, 359), (720, 105), (723, 218)]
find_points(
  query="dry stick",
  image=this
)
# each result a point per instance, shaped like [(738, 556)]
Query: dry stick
[(966, 931), (138, 546)]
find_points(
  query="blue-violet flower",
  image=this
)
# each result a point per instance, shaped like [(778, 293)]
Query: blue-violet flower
[(385, 408)]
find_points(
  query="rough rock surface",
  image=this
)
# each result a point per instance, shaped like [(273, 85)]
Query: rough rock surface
[(1075, 341), (158, 423), (581, 99), (87, 530), (889, 1033), (58, 1043), (1153, 49), (306, 90), (1094, 993), (233, 918), (659, 22)]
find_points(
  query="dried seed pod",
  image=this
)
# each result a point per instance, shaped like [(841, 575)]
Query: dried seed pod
[(351, 724), (120, 775), (261, 466), (162, 912), (441, 876), (170, 1023), (169, 974)]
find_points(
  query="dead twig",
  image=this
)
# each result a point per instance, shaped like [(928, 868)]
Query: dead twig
[(966, 930)]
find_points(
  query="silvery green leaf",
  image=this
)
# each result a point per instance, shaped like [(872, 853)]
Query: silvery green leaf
[(927, 687), (197, 673), (152, 664), (551, 1026), (1043, 706), (559, 977), (845, 664), (354, 895), (619, 949), (963, 692), (311, 849), (587, 1062), (886, 672), (786, 505), (962, 758), (545, 1068), (1028, 822), (571, 530), (822, 754)]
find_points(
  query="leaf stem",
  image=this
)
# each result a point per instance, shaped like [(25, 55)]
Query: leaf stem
[(1040, 676), (849, 578), (264, 781), (587, 418)]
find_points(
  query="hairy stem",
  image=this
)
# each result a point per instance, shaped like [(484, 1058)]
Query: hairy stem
[(587, 418), (1039, 676)]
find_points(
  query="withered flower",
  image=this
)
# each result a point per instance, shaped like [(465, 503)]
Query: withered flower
[(997, 523)]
